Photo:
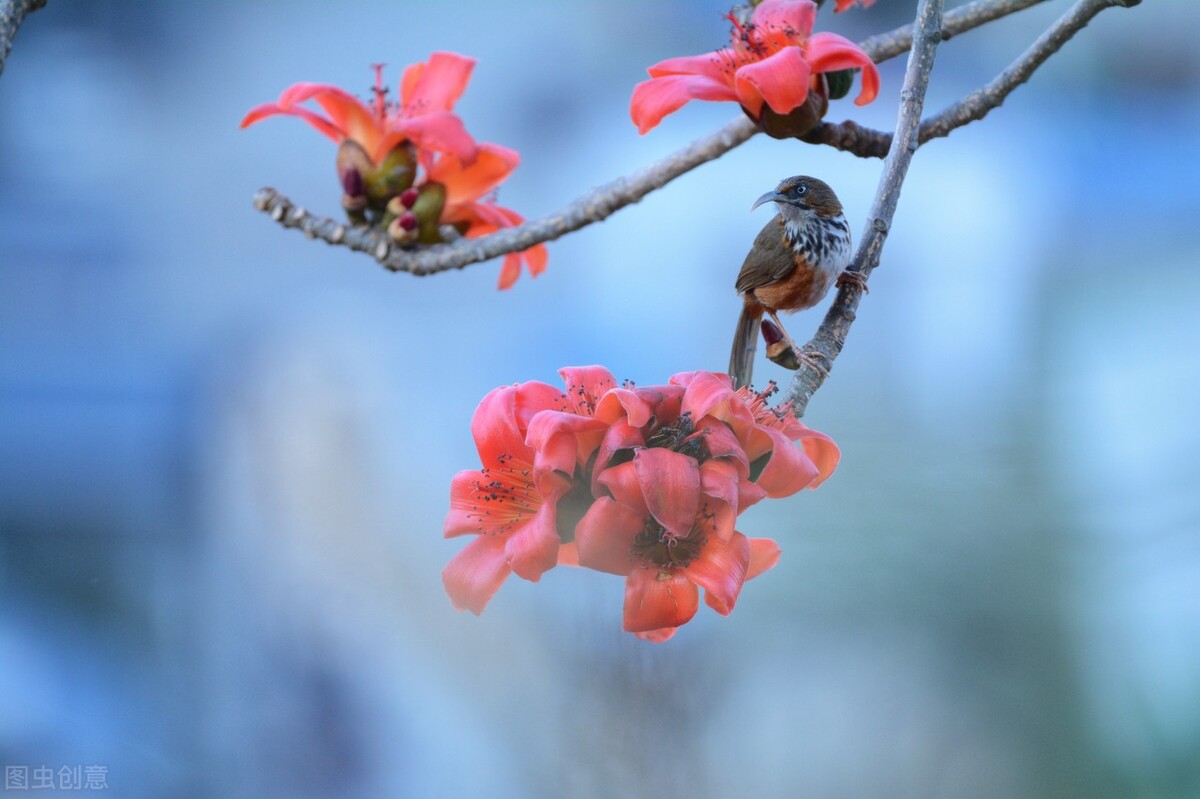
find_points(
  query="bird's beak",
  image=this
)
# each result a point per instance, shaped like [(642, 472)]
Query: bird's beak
[(770, 196)]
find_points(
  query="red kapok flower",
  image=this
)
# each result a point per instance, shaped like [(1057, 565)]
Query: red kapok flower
[(772, 61), (468, 206), (658, 531), (512, 502), (842, 5), (428, 92)]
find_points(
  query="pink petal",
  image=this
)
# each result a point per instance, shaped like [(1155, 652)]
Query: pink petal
[(749, 494), (783, 22), (655, 98), (764, 554), (464, 517), (618, 437), (822, 452), (441, 131), (532, 398), (720, 485), (789, 468), (658, 636), (604, 536), (723, 445), (828, 52), (586, 385), (721, 570), (435, 85), (670, 484), (712, 395), (714, 66), (532, 547), (622, 482), (627, 403), (655, 599), (568, 554), (474, 575), (560, 441), (319, 122), (781, 80), (495, 430)]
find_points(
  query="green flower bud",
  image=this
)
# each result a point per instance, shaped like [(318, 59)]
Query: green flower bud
[(431, 199), (393, 175), (839, 82)]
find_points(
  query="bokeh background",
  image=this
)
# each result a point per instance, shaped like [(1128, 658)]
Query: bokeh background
[(225, 450)]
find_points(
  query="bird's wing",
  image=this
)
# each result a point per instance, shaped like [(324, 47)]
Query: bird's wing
[(770, 259)]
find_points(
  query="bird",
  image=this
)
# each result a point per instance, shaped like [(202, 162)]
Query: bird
[(796, 258)]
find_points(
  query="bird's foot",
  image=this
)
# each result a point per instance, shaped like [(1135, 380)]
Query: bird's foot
[(854, 279)]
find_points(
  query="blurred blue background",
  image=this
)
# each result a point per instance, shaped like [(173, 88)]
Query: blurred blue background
[(225, 450)]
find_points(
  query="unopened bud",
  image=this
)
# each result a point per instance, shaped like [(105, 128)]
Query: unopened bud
[(403, 229), (408, 197), (352, 183), (771, 332), (799, 120)]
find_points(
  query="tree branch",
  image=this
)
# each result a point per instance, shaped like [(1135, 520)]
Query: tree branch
[(831, 336), (868, 143), (12, 14), (601, 202)]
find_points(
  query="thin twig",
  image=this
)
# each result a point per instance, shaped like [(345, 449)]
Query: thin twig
[(868, 143), (12, 14), (601, 202), (831, 336)]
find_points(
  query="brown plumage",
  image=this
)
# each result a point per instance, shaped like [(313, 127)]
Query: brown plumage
[(792, 264)]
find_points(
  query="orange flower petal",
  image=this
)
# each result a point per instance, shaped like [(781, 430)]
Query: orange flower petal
[(654, 600), (476, 573), (721, 570), (655, 98), (780, 80), (510, 270), (347, 112), (828, 52), (435, 85), (466, 184)]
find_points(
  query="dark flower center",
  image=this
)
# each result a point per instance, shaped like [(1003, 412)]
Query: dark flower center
[(658, 548), (573, 505), (680, 436)]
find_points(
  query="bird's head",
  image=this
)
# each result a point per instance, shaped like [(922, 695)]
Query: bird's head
[(799, 196)]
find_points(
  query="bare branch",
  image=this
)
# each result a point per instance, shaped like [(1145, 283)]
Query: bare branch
[(12, 14), (601, 202), (831, 336), (868, 143)]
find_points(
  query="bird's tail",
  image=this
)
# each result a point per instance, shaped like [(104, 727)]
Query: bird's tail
[(745, 341)]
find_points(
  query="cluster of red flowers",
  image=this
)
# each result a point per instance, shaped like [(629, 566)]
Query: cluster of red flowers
[(410, 165), (643, 482), (776, 68)]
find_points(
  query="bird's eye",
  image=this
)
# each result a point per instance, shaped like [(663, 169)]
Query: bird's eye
[(799, 190)]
